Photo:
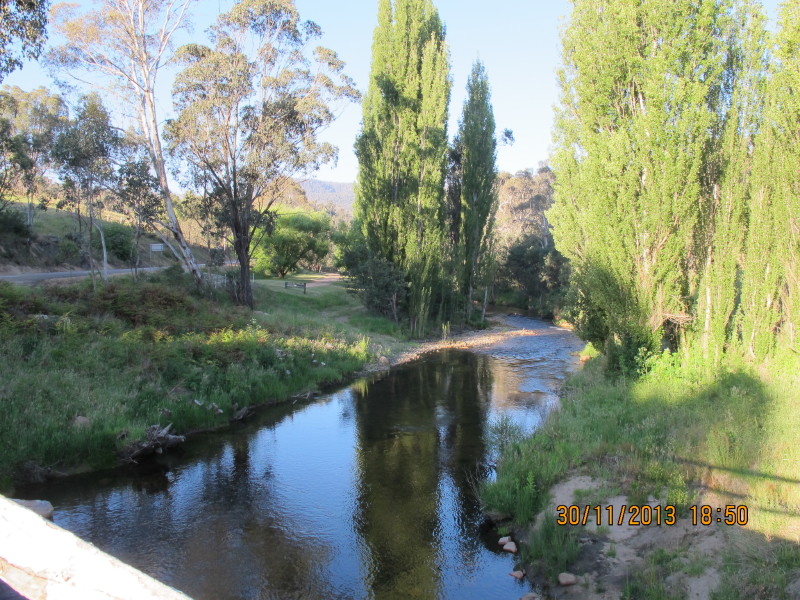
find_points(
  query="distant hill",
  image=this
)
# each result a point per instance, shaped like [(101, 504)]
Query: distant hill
[(322, 193)]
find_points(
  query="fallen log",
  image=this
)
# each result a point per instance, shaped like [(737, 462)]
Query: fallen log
[(156, 441), (242, 414), (42, 561)]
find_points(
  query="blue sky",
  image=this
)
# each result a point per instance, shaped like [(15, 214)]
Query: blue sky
[(517, 40)]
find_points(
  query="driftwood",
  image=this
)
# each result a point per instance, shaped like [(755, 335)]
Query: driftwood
[(242, 414), (156, 441), (42, 561)]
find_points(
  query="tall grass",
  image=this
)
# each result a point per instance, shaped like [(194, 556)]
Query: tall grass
[(672, 434), (137, 354)]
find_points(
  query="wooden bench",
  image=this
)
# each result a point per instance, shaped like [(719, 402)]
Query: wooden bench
[(296, 284)]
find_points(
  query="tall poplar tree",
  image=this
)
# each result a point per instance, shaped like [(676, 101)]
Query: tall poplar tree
[(476, 148), (402, 149), (642, 104), (770, 303), (723, 227)]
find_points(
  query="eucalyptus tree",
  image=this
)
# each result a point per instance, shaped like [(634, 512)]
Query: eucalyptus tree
[(23, 30), (642, 104), (249, 111), (35, 119), (85, 153), (402, 150), (477, 150), (770, 302), (121, 47)]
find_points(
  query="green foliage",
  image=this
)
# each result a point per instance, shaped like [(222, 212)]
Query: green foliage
[(770, 299), (553, 547), (23, 33), (402, 150), (645, 208), (119, 242), (68, 251), (12, 224), (249, 110), (542, 273), (299, 239), (475, 147), (153, 351)]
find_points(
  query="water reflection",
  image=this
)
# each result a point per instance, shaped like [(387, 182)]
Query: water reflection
[(366, 493), (420, 434)]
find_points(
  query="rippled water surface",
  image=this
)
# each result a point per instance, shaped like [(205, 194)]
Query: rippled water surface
[(365, 493)]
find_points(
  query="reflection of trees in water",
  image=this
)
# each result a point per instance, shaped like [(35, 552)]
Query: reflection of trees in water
[(422, 424), (212, 533)]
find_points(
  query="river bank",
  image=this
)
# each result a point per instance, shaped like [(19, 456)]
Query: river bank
[(87, 375), (701, 443), (92, 378)]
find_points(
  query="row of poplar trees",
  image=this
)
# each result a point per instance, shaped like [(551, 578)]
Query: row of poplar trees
[(678, 177), (436, 240)]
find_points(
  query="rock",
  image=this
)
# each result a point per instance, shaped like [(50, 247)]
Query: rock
[(510, 547), (504, 540), (517, 574), (566, 579), (41, 507), (383, 361), (530, 596), (81, 422)]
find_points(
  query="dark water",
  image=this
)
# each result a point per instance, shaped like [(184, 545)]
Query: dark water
[(366, 493)]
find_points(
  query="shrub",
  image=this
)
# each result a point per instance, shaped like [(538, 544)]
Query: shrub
[(119, 241), (12, 223)]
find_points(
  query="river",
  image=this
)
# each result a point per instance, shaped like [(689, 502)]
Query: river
[(366, 492)]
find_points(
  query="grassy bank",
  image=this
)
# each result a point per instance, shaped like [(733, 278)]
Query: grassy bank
[(156, 351), (730, 438)]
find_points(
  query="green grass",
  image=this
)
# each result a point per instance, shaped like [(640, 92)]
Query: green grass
[(670, 434), (134, 354), (552, 547)]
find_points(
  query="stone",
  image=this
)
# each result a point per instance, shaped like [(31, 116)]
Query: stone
[(81, 421), (566, 579), (504, 540), (517, 574), (510, 547), (41, 507), (530, 596), (383, 361)]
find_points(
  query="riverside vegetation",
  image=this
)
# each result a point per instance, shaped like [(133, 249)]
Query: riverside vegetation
[(683, 437), (158, 351)]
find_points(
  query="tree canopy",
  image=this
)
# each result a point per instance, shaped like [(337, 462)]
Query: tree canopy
[(23, 30), (250, 108), (402, 149)]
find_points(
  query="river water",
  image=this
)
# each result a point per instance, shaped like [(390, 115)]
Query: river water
[(367, 492)]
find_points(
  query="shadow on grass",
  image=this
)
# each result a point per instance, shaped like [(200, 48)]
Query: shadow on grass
[(682, 439)]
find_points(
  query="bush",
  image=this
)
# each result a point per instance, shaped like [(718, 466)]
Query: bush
[(119, 241), (12, 223), (68, 251)]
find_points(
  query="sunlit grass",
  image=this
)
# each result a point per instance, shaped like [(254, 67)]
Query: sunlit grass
[(673, 434), (135, 354)]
